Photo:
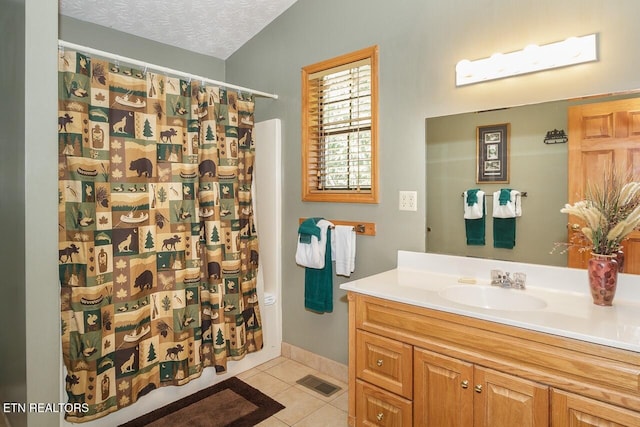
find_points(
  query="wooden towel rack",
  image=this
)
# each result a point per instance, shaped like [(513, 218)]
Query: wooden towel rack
[(361, 228)]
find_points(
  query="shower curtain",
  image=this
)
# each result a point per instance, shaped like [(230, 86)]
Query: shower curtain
[(158, 253)]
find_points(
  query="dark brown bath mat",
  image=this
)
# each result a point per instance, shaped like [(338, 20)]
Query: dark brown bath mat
[(230, 403)]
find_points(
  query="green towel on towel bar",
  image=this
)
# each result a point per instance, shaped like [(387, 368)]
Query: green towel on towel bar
[(504, 229), (307, 229), (505, 196), (472, 196), (504, 233), (475, 229), (318, 283)]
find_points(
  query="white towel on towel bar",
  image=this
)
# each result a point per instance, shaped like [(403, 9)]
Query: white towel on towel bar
[(311, 254), (512, 209), (343, 249), (475, 210)]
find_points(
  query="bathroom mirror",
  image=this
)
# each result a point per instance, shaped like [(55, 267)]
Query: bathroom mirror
[(536, 167)]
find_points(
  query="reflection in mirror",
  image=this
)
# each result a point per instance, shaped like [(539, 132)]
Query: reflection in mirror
[(535, 167)]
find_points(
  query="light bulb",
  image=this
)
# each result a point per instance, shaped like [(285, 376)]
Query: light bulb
[(498, 63), (464, 68), (532, 54), (573, 47)]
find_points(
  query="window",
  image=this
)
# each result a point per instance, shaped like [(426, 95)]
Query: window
[(339, 129)]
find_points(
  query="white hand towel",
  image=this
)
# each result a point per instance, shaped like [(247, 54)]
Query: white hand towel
[(517, 200), (311, 254), (512, 209), (343, 249), (476, 210)]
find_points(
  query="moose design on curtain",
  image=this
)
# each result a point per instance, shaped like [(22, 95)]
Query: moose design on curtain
[(157, 250)]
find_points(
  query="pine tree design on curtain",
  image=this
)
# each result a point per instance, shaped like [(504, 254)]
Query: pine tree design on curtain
[(157, 250)]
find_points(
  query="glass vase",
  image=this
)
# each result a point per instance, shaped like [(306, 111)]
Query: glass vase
[(603, 278)]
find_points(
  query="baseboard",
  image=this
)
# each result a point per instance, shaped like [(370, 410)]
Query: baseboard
[(319, 363)]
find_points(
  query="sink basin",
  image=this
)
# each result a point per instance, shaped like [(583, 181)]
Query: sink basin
[(492, 298)]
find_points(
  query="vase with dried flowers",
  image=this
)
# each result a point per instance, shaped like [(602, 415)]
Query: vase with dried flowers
[(610, 211)]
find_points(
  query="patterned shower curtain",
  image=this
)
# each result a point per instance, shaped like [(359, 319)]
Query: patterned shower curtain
[(157, 249)]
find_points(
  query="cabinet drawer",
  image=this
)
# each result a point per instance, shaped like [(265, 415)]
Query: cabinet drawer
[(385, 362), (376, 407)]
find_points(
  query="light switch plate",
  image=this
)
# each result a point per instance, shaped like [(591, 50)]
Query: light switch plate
[(408, 201)]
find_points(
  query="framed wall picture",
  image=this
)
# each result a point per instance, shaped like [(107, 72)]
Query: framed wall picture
[(492, 154)]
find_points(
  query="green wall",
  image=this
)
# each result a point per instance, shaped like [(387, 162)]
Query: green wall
[(13, 369), (420, 42)]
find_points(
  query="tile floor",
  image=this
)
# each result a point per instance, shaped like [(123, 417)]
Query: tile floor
[(303, 407)]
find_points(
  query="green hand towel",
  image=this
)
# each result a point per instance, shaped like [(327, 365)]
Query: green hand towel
[(475, 229), (504, 233), (318, 283), (472, 196), (307, 229), (505, 196)]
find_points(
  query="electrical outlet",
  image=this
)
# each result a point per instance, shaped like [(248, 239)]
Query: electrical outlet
[(408, 201)]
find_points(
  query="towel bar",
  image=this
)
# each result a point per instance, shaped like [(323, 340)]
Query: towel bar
[(522, 194), (361, 228)]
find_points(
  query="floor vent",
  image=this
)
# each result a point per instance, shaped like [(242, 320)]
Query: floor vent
[(317, 384)]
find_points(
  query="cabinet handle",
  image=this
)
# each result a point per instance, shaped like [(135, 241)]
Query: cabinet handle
[(465, 384), (478, 388), (379, 362), (380, 416)]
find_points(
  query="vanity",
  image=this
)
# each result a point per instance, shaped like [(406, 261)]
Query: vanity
[(429, 348)]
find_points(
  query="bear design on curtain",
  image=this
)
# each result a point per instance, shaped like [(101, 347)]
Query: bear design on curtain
[(157, 250)]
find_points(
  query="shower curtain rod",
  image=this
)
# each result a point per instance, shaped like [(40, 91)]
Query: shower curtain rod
[(160, 68)]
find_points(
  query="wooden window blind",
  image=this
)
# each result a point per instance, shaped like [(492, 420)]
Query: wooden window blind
[(340, 129)]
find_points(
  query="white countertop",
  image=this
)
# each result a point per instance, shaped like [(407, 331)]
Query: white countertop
[(570, 312)]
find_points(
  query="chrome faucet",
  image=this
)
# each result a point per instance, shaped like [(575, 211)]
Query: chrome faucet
[(504, 280)]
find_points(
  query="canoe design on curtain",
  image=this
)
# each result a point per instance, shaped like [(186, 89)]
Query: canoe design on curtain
[(157, 250)]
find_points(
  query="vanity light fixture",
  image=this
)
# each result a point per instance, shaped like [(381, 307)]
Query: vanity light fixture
[(533, 58)]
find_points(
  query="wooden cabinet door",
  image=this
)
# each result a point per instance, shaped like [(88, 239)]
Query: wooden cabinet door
[(502, 400), (603, 134), (570, 410), (443, 390)]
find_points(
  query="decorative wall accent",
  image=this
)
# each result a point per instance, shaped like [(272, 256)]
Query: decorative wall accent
[(157, 250)]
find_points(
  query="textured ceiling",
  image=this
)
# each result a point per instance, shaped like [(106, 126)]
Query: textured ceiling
[(210, 27)]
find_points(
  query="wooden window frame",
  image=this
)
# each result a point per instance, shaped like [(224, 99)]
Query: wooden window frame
[(309, 193)]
